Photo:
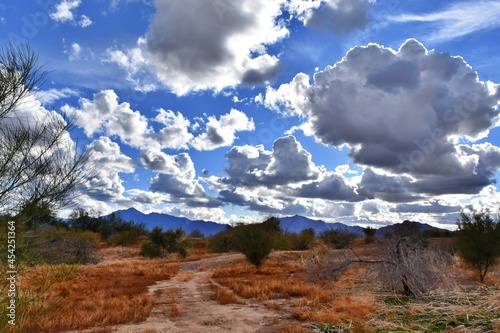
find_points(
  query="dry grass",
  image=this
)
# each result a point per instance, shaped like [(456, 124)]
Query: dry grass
[(343, 309), (354, 301), (100, 295), (112, 292), (116, 292), (282, 278), (225, 296), (275, 279), (184, 277), (292, 328), (174, 310)]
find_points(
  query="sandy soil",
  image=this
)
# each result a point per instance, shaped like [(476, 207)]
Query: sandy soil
[(184, 304)]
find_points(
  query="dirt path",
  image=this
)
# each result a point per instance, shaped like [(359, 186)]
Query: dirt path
[(184, 304)]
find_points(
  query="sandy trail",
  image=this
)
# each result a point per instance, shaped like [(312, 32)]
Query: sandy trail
[(185, 304)]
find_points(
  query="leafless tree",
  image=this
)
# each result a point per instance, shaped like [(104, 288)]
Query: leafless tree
[(39, 163), (402, 265), (413, 269)]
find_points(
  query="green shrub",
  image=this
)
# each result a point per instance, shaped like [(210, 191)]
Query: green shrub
[(255, 242), (478, 241), (57, 246), (196, 234), (170, 241), (338, 239), (369, 234), (124, 238), (222, 242), (305, 240), (150, 249)]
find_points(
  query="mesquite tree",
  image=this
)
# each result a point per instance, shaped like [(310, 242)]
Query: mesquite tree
[(478, 241), (39, 163)]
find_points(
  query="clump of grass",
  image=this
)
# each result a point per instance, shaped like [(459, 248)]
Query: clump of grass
[(174, 308), (184, 277), (461, 311), (340, 310), (225, 296)]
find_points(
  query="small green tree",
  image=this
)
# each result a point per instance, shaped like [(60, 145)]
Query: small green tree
[(255, 241), (170, 241), (369, 234), (150, 249), (478, 241), (222, 242), (196, 233)]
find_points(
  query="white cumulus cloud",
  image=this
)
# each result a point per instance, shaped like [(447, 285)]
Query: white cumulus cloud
[(222, 132), (402, 112)]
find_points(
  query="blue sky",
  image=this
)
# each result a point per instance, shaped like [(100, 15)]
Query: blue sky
[(357, 111)]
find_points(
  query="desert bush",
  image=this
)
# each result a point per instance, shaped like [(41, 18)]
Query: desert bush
[(338, 239), (255, 241), (222, 242), (170, 241), (129, 232), (124, 238), (175, 242), (304, 240), (196, 234), (284, 241), (50, 245), (150, 249), (369, 234), (478, 241)]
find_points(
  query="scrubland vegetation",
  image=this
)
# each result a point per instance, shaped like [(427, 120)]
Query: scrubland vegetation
[(332, 282)]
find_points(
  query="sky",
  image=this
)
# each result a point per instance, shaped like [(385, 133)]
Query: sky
[(356, 111)]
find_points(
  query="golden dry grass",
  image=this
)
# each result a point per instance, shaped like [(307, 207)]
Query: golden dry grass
[(225, 296), (282, 278), (354, 301), (174, 310), (344, 308), (274, 279), (100, 295)]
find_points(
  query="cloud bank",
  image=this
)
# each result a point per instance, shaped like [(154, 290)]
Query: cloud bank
[(402, 113)]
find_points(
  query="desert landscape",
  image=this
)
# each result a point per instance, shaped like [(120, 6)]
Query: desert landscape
[(321, 289)]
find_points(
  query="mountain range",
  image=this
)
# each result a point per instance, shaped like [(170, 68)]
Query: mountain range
[(293, 224)]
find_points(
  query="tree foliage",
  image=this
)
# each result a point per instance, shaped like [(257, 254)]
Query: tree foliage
[(338, 239), (161, 243), (112, 228), (39, 163), (369, 234), (477, 240), (255, 241)]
